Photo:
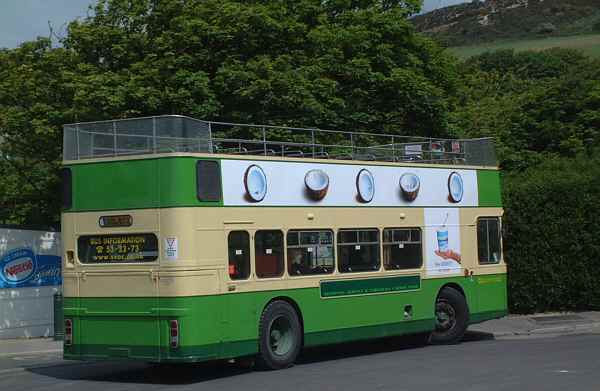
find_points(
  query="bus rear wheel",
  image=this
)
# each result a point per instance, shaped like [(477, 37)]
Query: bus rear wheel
[(451, 317), (280, 336)]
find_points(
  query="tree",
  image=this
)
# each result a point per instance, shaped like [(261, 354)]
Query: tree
[(35, 95), (342, 64), (535, 104), (337, 64), (550, 235)]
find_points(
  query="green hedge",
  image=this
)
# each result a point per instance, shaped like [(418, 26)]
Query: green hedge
[(552, 236)]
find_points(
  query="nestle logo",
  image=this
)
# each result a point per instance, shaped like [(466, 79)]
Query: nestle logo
[(17, 266)]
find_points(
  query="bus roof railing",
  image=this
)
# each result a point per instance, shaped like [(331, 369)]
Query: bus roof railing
[(175, 133)]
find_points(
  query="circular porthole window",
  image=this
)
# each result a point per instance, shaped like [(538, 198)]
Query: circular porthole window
[(455, 187), (317, 184), (409, 186), (365, 185), (255, 182)]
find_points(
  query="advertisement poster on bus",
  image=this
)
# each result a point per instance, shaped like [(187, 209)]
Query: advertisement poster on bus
[(276, 183), (442, 238)]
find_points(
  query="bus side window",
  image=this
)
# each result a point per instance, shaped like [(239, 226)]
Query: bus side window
[(402, 248), (239, 255), (268, 253), (310, 252), (488, 240), (358, 250), (67, 188), (208, 180)]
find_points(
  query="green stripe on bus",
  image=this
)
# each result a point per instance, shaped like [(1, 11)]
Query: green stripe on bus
[(239, 348), (213, 351), (226, 325), (488, 188), (135, 184), (369, 286)]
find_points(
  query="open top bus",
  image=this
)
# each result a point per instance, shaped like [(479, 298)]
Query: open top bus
[(188, 240)]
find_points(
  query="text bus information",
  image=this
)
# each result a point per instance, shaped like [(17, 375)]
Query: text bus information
[(126, 248)]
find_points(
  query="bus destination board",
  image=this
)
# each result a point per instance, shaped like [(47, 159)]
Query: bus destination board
[(123, 248)]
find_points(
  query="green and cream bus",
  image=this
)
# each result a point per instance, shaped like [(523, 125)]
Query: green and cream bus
[(188, 240)]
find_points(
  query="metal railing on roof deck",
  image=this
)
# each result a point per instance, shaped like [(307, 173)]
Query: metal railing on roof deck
[(172, 133)]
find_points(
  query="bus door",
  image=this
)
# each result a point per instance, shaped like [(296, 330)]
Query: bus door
[(118, 282)]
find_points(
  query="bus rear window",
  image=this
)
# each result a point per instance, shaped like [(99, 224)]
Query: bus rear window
[(67, 188), (125, 248)]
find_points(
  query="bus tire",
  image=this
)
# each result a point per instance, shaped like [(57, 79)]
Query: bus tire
[(451, 317), (280, 336)]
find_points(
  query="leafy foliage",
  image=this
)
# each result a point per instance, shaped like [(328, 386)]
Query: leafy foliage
[(343, 64), (551, 235), (35, 90), (536, 105), (543, 110)]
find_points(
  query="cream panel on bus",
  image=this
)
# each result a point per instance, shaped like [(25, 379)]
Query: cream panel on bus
[(177, 239), (70, 284), (307, 217), (68, 229), (201, 267), (144, 220), (118, 283), (188, 283)]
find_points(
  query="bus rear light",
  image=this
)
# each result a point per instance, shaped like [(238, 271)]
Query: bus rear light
[(68, 332), (174, 333)]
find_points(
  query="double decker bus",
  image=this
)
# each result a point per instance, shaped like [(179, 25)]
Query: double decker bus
[(188, 240)]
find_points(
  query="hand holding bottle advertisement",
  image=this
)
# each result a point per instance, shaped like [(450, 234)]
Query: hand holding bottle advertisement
[(443, 241), (443, 250)]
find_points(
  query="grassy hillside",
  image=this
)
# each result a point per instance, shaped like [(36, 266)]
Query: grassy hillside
[(509, 20), (589, 44)]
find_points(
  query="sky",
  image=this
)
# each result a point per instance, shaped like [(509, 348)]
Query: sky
[(429, 5), (24, 20)]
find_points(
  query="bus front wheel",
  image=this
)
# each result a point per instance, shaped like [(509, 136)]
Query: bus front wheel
[(451, 317), (280, 336)]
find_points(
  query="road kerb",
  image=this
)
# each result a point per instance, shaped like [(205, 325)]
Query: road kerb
[(557, 330), (30, 353)]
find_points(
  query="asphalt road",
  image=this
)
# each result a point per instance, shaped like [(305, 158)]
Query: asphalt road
[(549, 363)]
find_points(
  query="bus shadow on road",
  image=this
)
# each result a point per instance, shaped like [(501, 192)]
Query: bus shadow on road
[(143, 373), (181, 374), (377, 346), (362, 348)]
